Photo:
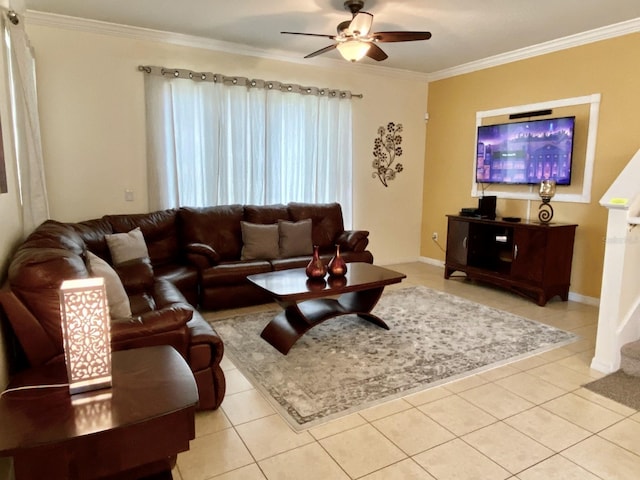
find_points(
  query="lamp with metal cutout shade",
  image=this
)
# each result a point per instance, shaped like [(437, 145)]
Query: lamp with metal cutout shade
[(86, 333)]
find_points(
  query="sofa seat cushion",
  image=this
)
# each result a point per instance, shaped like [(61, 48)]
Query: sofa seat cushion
[(183, 277), (230, 273), (292, 262)]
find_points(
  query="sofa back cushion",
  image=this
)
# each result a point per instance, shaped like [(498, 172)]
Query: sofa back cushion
[(159, 230), (266, 214), (93, 234), (35, 275), (218, 227), (52, 234), (326, 219)]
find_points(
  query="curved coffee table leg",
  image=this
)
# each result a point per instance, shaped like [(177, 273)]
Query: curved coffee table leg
[(298, 318)]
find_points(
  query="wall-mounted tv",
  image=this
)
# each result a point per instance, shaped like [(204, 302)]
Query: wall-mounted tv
[(525, 152)]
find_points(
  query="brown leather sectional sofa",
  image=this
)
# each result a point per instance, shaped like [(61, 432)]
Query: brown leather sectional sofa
[(194, 260)]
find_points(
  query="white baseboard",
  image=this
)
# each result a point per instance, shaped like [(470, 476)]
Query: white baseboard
[(398, 261), (603, 367), (576, 297), (432, 261)]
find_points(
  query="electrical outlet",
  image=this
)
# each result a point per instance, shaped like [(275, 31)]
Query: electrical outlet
[(434, 236)]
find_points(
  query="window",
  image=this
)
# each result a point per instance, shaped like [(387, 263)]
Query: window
[(217, 143)]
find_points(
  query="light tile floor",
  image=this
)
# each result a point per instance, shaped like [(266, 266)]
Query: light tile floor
[(528, 420)]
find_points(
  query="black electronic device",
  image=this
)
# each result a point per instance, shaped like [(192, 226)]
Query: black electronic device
[(487, 207), (511, 219), (469, 212)]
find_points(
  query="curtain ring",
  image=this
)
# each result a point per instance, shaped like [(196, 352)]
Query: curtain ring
[(13, 17)]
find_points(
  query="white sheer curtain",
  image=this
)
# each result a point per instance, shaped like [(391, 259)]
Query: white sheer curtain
[(25, 125), (216, 144)]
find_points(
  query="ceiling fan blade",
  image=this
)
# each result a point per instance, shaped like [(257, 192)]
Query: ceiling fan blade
[(332, 37), (360, 24), (376, 53), (401, 36), (321, 51)]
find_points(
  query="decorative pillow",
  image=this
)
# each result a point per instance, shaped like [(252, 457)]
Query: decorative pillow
[(127, 246), (295, 238), (259, 241), (117, 298)]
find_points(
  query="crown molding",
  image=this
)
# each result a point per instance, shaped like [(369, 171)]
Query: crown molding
[(139, 33), (603, 33)]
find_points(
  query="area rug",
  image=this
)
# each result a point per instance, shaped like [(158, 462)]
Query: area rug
[(618, 386), (346, 364)]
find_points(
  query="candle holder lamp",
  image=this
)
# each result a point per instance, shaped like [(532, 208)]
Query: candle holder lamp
[(547, 191)]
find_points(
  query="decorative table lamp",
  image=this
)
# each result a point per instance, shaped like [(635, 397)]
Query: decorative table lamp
[(86, 334), (547, 191)]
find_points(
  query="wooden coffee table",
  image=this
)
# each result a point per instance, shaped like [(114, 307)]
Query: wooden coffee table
[(306, 303)]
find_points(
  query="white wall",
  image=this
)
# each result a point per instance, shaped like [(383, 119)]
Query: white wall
[(91, 102)]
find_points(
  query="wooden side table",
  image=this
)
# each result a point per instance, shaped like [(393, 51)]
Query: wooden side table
[(135, 429)]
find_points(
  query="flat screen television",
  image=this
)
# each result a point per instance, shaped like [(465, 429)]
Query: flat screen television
[(525, 152)]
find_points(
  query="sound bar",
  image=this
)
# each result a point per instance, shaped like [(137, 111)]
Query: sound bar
[(537, 113)]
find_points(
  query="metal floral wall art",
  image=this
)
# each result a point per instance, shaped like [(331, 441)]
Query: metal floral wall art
[(385, 150)]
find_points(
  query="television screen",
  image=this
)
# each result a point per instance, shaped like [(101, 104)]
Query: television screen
[(525, 152)]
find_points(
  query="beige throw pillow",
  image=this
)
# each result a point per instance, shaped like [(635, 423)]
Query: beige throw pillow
[(259, 241), (127, 246), (295, 238), (119, 306)]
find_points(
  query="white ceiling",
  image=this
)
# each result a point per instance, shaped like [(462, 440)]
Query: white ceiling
[(463, 30)]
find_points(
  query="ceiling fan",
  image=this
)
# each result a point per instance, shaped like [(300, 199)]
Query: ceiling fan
[(355, 39)]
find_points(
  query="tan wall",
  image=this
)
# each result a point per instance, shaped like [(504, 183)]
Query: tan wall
[(91, 102), (608, 67)]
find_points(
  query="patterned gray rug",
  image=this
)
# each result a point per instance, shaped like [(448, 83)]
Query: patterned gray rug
[(347, 364)]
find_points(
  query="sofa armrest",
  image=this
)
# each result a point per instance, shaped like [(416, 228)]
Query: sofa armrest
[(353, 240), (151, 323), (202, 333), (201, 255)]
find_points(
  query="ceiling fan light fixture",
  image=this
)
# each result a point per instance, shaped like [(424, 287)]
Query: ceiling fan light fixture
[(353, 50), (361, 24)]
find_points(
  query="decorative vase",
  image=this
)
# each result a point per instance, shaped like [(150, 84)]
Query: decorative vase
[(316, 268), (337, 265)]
